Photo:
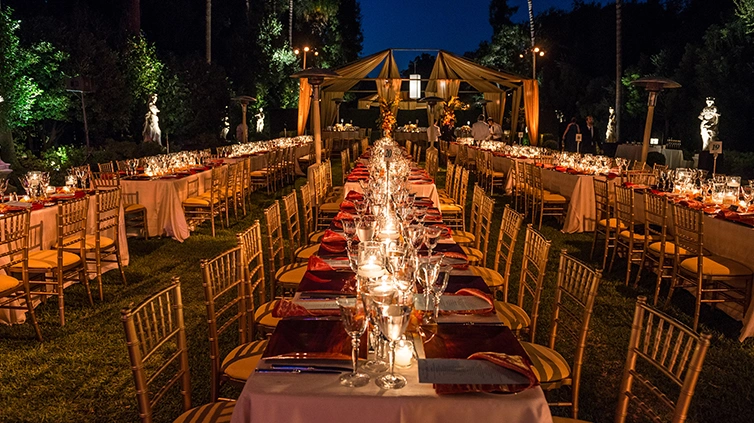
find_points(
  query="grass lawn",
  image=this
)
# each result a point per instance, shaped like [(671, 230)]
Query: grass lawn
[(80, 373)]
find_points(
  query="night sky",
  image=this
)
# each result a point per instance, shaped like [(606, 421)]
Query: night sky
[(447, 24)]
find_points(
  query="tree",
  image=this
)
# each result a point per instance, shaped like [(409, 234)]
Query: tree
[(500, 14)]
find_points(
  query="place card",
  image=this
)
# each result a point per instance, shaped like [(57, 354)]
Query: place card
[(452, 371), (452, 303), (18, 204)]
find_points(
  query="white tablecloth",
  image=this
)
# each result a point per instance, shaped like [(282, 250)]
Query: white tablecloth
[(163, 199), (421, 190), (673, 158), (259, 161), (48, 217)]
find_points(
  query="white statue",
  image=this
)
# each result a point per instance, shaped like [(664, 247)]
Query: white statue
[(710, 118), (260, 120), (610, 132), (226, 128), (151, 131)]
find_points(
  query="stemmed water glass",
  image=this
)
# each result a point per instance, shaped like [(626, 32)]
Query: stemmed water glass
[(365, 228), (415, 235), (354, 317), (427, 270), (432, 236), (372, 301), (361, 207), (395, 257), (349, 230), (438, 287), (392, 321), (3, 188)]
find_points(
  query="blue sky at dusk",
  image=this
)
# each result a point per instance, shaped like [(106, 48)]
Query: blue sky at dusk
[(445, 24)]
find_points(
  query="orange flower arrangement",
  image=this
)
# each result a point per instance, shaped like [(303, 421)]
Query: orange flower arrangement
[(449, 109), (387, 120)]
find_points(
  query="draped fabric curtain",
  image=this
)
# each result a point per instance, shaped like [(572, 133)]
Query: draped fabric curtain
[(496, 106), (531, 109), (304, 101), (389, 83), (515, 108), (328, 107)]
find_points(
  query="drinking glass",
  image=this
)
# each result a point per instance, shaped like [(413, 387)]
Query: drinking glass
[(392, 321), (372, 302), (371, 260), (361, 207), (349, 229), (354, 317), (415, 235), (365, 228), (431, 236), (439, 285), (3, 188), (395, 257), (427, 270)]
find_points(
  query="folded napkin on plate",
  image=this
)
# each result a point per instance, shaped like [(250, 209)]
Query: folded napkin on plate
[(511, 362), (693, 204), (316, 264), (612, 175), (472, 293), (354, 196), (561, 168), (333, 242), (340, 216), (347, 206), (287, 308), (728, 215), (458, 256)]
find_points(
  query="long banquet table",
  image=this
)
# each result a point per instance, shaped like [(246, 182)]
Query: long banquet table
[(259, 160)]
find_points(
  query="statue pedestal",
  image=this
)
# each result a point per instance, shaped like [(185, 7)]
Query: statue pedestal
[(5, 169)]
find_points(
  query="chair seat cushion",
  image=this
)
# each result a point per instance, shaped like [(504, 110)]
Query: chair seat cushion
[(556, 419), (263, 315), (550, 197), (547, 364), (48, 259), (316, 236), (303, 253), (463, 237), (450, 208), (90, 243), (474, 255), (330, 207), (512, 315), (613, 223), (132, 208), (498, 175), (198, 201), (8, 283), (637, 237), (240, 362), (214, 412), (491, 277), (259, 173), (669, 248), (716, 266), (291, 274)]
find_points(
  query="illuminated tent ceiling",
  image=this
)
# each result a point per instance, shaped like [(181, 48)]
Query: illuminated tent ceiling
[(448, 72)]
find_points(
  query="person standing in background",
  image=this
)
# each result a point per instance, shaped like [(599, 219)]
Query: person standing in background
[(433, 133), (479, 130), (496, 131), (569, 136), (590, 141)]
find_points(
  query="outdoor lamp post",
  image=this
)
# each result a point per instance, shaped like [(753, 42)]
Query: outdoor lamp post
[(536, 51), (244, 100), (306, 50), (653, 85), (316, 76)]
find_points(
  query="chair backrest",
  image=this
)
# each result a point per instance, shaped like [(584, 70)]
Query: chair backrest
[(274, 236), (655, 217), (292, 222), (250, 242), (14, 242), (106, 167), (108, 214), (638, 165), (409, 144), (345, 165), (574, 302), (463, 188), (482, 238), (306, 202), (365, 143), (533, 269), (72, 226), (476, 206), (670, 347), (601, 199), (657, 168), (231, 180), (641, 177), (624, 206), (450, 180), (105, 180), (354, 152), (227, 298), (510, 225), (156, 339), (122, 166), (688, 229)]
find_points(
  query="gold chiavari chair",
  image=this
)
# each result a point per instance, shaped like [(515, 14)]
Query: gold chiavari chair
[(717, 279), (452, 153), (519, 187), (669, 346), (135, 214), (462, 156), (631, 240), (264, 177), (345, 165), (446, 194), (638, 165), (156, 339), (329, 206), (232, 187), (250, 241), (606, 225), (574, 301), (469, 237), (657, 168), (409, 144), (105, 249), (545, 203), (286, 276), (60, 267), (454, 215), (497, 178), (122, 166), (531, 282), (365, 143), (658, 246), (310, 234), (106, 167), (417, 153), (227, 296), (15, 293), (641, 177), (355, 152), (243, 190), (497, 278), (299, 250), (478, 253), (211, 204), (105, 180)]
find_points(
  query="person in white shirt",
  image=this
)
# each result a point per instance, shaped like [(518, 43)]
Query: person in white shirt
[(496, 131), (433, 133), (479, 130)]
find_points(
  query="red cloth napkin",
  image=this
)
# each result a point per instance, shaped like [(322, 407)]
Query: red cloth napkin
[(340, 216), (354, 196), (316, 264), (347, 206), (333, 242), (286, 308), (612, 175), (560, 168), (512, 362), (474, 293)]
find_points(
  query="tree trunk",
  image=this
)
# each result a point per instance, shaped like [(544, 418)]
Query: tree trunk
[(531, 23), (290, 22), (208, 35), (133, 17), (8, 149), (618, 68)]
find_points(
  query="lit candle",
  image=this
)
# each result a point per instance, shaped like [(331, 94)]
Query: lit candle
[(404, 353)]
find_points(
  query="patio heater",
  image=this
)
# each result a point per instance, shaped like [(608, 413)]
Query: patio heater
[(316, 76), (244, 101), (431, 102), (653, 85), (338, 101), (483, 102)]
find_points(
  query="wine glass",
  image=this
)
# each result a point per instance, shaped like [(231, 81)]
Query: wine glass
[(395, 257), (427, 270), (393, 321), (439, 285), (415, 235), (365, 228), (372, 301), (361, 207), (349, 229), (354, 317), (432, 236), (3, 188)]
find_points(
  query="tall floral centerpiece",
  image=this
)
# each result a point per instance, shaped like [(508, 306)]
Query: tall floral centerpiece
[(449, 110), (387, 118)]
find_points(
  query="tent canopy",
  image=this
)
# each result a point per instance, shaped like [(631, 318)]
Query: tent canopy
[(444, 81)]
